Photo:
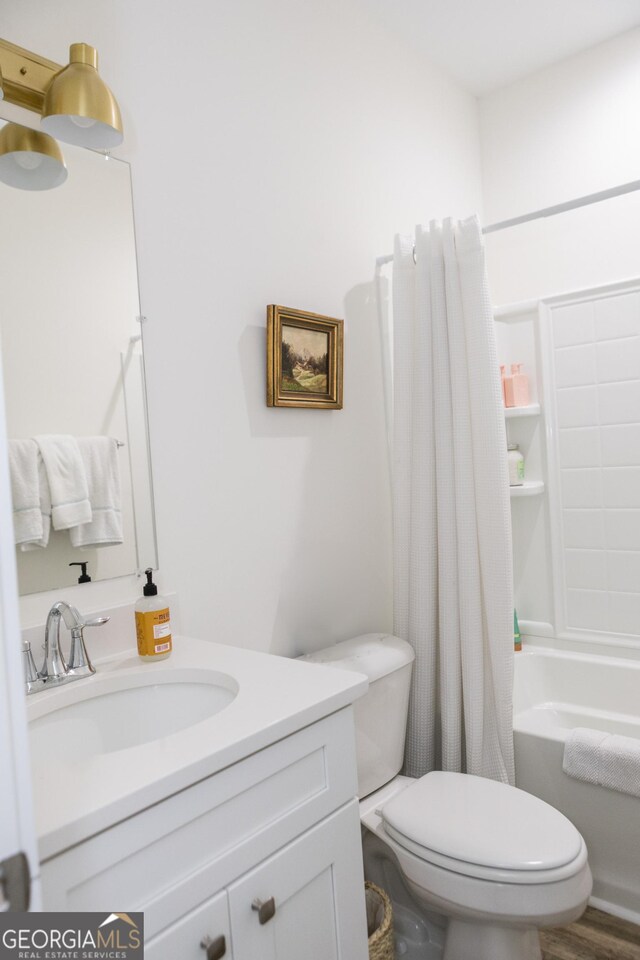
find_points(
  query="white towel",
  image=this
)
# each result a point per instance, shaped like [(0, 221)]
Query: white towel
[(45, 509), (620, 764), (582, 754), (606, 759), (100, 458), (25, 495), (67, 481)]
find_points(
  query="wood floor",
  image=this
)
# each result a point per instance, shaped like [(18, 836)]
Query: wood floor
[(596, 936)]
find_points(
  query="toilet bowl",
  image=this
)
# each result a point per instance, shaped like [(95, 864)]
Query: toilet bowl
[(496, 861), (484, 863)]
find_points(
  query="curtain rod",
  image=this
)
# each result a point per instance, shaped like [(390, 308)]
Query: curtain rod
[(549, 211)]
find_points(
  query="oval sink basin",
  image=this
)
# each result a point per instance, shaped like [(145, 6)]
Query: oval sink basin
[(105, 714)]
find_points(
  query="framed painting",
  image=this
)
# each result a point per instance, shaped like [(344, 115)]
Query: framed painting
[(304, 359)]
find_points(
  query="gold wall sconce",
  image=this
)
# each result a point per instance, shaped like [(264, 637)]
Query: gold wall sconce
[(75, 106), (29, 159), (78, 106)]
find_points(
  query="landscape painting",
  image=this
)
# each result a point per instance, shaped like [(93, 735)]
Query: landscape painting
[(304, 359)]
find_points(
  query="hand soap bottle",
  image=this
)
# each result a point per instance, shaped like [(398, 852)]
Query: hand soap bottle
[(503, 374), (519, 386), (153, 623)]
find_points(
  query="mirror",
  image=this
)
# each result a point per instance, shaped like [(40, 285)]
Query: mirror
[(70, 337)]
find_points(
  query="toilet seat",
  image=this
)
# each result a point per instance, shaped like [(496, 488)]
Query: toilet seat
[(484, 829)]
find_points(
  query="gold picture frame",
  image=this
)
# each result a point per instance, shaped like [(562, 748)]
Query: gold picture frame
[(304, 359)]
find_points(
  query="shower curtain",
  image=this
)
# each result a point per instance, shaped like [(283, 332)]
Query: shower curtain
[(453, 589)]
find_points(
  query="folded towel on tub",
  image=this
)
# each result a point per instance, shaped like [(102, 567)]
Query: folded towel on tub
[(606, 759), (620, 764)]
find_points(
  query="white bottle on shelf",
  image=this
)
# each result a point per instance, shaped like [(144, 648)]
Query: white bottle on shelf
[(516, 465)]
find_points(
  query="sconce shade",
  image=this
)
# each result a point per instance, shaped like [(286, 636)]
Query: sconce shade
[(29, 159), (79, 107)]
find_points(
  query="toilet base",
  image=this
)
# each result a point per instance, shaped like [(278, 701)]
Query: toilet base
[(468, 940)]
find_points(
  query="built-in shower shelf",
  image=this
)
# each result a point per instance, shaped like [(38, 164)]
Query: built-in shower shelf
[(530, 488), (532, 410)]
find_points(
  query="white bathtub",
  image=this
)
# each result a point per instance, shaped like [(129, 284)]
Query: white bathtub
[(553, 693)]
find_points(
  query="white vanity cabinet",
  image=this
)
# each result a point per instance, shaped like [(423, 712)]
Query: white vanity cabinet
[(281, 825), (311, 886), (315, 885)]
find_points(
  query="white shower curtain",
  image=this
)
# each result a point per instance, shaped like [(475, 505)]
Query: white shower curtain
[(453, 589)]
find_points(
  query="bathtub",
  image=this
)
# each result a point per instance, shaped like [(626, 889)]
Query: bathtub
[(555, 691)]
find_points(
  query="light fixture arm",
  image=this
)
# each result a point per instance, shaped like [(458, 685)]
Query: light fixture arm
[(25, 75)]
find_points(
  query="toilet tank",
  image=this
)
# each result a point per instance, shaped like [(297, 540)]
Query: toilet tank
[(381, 714)]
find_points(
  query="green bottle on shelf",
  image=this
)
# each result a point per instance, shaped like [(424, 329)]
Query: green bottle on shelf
[(517, 639)]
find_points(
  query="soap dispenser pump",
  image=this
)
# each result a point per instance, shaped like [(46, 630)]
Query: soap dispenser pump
[(153, 623), (84, 576)]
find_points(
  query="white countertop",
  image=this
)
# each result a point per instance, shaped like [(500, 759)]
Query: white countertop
[(276, 697)]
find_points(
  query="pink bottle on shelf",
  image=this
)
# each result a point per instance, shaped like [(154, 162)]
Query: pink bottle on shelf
[(507, 390), (516, 387), (503, 373)]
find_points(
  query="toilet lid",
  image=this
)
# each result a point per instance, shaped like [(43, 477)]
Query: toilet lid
[(483, 822)]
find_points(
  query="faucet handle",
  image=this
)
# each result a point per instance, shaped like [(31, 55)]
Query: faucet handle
[(96, 622), (31, 677), (79, 664)]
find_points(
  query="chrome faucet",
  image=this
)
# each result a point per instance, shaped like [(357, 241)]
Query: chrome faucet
[(55, 669)]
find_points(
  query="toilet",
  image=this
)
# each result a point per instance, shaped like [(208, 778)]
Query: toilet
[(474, 868)]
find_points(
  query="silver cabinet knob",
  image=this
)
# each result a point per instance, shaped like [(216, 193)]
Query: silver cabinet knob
[(215, 948), (265, 909)]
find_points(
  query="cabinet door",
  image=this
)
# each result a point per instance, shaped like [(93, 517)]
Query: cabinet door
[(202, 934), (317, 887)]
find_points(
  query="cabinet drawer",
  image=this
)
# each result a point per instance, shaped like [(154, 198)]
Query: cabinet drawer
[(174, 855)]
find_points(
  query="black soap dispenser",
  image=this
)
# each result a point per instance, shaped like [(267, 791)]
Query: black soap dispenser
[(84, 576)]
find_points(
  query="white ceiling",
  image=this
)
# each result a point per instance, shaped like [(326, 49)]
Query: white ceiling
[(486, 44)]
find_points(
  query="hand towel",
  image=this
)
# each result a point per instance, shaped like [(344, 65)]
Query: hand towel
[(100, 458), (606, 759), (70, 504), (45, 509), (23, 468)]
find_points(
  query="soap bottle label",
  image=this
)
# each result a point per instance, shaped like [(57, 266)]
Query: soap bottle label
[(153, 632)]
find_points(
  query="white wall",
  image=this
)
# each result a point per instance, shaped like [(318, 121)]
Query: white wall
[(276, 148), (570, 130)]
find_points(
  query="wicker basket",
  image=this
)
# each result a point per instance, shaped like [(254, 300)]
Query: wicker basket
[(379, 923)]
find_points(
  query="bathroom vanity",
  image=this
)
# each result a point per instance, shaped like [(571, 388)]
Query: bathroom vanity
[(236, 833)]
